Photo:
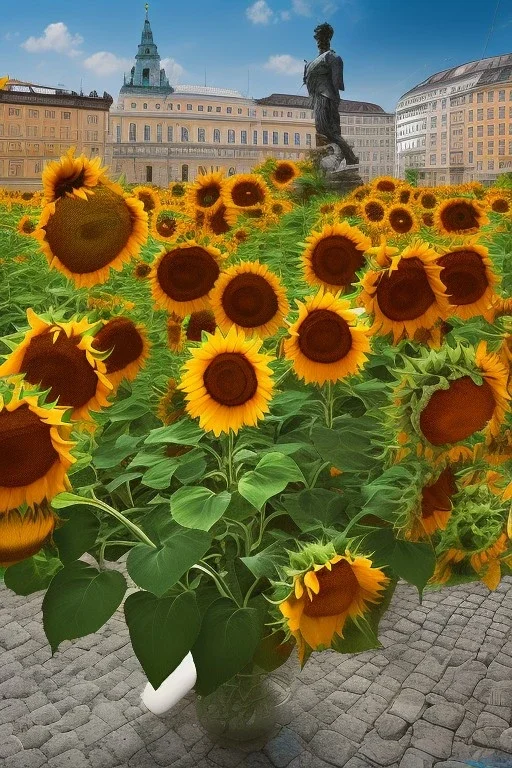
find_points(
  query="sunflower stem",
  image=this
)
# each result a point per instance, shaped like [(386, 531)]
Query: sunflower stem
[(329, 404), (250, 591), (354, 520), (219, 581), (122, 519), (230, 444)]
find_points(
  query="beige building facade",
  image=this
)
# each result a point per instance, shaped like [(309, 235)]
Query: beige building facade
[(38, 124), (456, 126)]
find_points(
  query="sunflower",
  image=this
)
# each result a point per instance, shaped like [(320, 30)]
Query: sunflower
[(175, 334), (279, 207), (60, 357), (199, 322), (182, 278), (436, 506), (72, 177), (141, 270), (385, 184), (466, 271), (284, 173), (245, 190), (383, 253), (171, 404), (227, 383), (25, 226), (499, 202), (401, 219), (85, 238), (326, 594), (427, 219), (251, 297), (346, 210), (326, 343), (373, 210), (148, 197), (406, 296), (446, 418), (34, 450), (427, 199), (177, 189), (219, 221), (23, 535), (460, 216), (206, 192), (165, 225), (127, 345), (361, 192), (403, 194), (334, 255)]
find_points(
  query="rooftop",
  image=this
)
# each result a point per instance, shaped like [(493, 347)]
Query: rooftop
[(207, 90), (304, 102), (495, 69)]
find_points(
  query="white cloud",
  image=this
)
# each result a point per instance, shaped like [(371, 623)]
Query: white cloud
[(259, 12), (106, 63), (285, 15), (57, 38), (284, 64), (301, 7), (173, 70), (11, 35)]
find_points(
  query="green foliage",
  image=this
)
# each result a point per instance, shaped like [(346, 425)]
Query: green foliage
[(33, 574), (271, 476)]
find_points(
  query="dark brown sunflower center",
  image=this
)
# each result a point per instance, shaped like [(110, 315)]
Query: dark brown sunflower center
[(61, 367), (122, 337), (230, 379), (455, 413), (336, 260), (338, 589), (147, 200), (69, 184), (348, 210), (385, 185), (283, 173), (241, 235), (207, 196), (277, 208), (26, 449), (199, 322), (27, 195), (428, 219), (166, 226), (500, 205), (88, 235), (178, 190), (401, 220), (459, 215), (437, 497), (464, 276), (28, 226), (374, 211), (405, 294), (428, 200), (249, 300), (246, 193), (142, 270), (185, 274), (324, 337), (217, 223), (404, 195)]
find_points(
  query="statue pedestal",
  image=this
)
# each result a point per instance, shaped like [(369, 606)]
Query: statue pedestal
[(339, 177)]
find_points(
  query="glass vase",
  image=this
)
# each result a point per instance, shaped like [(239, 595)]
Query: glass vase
[(244, 711)]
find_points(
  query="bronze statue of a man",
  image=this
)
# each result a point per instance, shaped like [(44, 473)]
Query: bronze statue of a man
[(324, 80)]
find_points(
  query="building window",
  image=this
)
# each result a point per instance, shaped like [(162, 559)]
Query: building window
[(189, 107), (184, 133), (286, 138), (184, 172), (255, 136), (159, 132), (229, 110), (264, 113), (479, 98), (144, 106), (200, 108), (490, 165), (479, 147), (217, 109), (470, 115), (490, 130), (66, 115), (479, 114), (470, 132), (132, 135), (147, 133), (231, 136), (443, 159), (216, 135), (303, 114), (33, 113), (239, 111), (251, 112), (170, 133), (432, 159), (37, 166), (210, 109), (118, 134), (169, 106), (50, 113), (296, 139), (501, 129), (275, 137), (490, 113), (134, 105), (490, 96), (265, 137), (157, 106), (308, 139), (201, 134), (243, 137), (479, 130), (501, 95), (470, 157), (289, 114), (490, 147), (501, 113)]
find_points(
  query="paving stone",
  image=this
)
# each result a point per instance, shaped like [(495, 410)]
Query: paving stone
[(11, 745), (488, 736), (351, 727), (73, 718), (408, 705), (110, 713), (35, 737), (283, 748), (92, 730), (446, 715), (45, 715), (343, 699), (167, 747), (505, 740), (356, 684), (432, 739), (415, 758), (17, 687), (332, 747), (73, 758), (488, 718), (29, 758), (12, 635), (391, 727), (381, 751), (306, 725), (368, 708)]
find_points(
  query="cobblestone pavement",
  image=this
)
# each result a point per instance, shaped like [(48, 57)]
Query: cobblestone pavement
[(439, 692)]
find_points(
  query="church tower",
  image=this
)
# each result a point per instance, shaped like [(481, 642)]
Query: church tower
[(147, 75)]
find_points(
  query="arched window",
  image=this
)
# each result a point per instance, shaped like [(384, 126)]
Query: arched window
[(231, 172), (170, 134), (202, 170), (231, 136), (147, 133), (201, 134), (184, 172), (184, 136), (216, 134), (132, 135)]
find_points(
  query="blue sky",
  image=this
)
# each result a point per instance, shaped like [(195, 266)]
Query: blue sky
[(388, 46)]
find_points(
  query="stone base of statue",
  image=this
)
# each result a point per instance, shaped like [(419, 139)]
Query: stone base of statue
[(328, 160)]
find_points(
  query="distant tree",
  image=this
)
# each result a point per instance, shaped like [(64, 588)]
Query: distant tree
[(411, 176)]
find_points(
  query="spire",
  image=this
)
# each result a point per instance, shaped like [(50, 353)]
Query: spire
[(147, 34), (147, 72)]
